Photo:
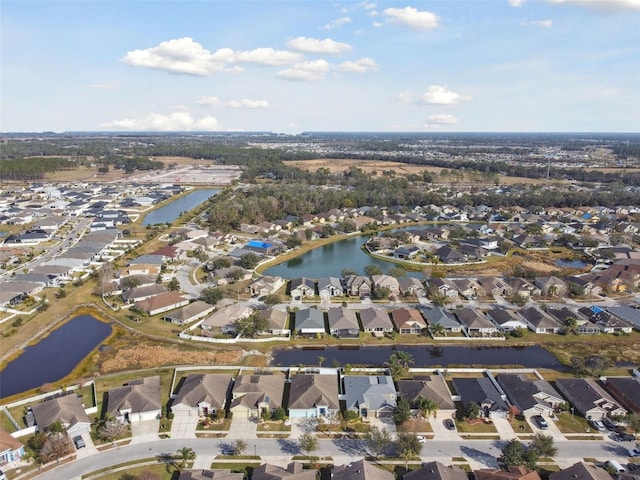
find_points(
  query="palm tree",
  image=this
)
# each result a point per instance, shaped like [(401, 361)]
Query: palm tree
[(185, 454), (427, 407)]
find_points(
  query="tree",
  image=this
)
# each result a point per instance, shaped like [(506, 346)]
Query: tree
[(398, 272), (221, 262), (427, 407), (185, 454), (292, 242), (249, 261), (105, 277), (56, 446), (279, 414), (598, 364), (378, 441), (633, 420), (514, 454), (251, 326), (472, 411), (240, 446), (271, 299), (372, 270), (173, 285), (111, 429), (408, 446), (402, 412), (211, 295), (321, 360), (399, 363), (308, 443), (380, 293), (265, 415), (543, 445), (130, 282)]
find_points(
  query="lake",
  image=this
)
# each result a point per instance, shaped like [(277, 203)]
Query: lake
[(423, 355), (171, 211), (53, 357)]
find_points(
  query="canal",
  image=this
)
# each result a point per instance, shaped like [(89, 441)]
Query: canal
[(173, 210), (53, 357)]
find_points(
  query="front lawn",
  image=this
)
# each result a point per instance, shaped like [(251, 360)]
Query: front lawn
[(475, 427), (568, 423)]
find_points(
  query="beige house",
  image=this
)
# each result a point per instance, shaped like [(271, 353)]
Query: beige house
[(253, 394)]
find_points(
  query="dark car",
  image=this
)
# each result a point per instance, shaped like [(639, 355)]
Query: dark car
[(229, 451), (624, 437), (78, 441), (542, 423), (608, 423), (449, 424)]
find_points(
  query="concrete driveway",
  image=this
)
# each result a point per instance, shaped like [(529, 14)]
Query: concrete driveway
[(243, 428), (504, 428), (440, 432), (383, 424), (552, 431), (88, 449), (145, 431), (184, 425)]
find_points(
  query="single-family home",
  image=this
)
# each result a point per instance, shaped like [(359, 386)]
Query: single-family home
[(581, 471), (530, 396), (309, 321), (136, 401), (224, 318), (313, 395), (277, 321), (522, 287), (450, 255), (189, 313), (626, 390), (11, 449), (370, 395), (200, 474), (343, 322), (606, 322), (411, 286), (483, 392), (386, 282), (469, 288), (266, 285), (506, 320), (360, 470), (330, 287), (626, 313), (443, 286), (357, 285), (566, 317), (589, 398), (293, 471), (431, 387), (439, 318), (302, 287), (495, 286), (376, 321), (253, 394), (474, 322), (408, 320), (202, 394), (436, 471), (539, 321), (67, 409), (511, 473), (551, 286)]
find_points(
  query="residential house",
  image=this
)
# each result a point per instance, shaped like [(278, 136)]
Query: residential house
[(200, 474), (530, 396), (443, 286), (189, 313), (511, 473), (506, 319), (136, 401), (343, 322), (265, 248), (589, 283), (449, 255), (539, 321), (522, 287), (566, 316), (411, 286), (606, 322), (626, 313), (484, 393), (386, 281), (370, 395), (266, 285), (468, 287), (277, 320), (163, 302), (224, 318), (626, 390), (294, 471), (581, 471), (551, 286), (302, 287), (436, 471), (439, 318), (254, 394), (309, 321), (357, 285), (202, 394), (330, 287), (589, 398), (67, 409), (360, 470), (313, 395), (406, 252), (376, 321), (11, 449), (431, 387), (495, 287), (475, 322), (408, 320)]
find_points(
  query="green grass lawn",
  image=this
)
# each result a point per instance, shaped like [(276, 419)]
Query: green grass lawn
[(164, 472), (568, 423), (481, 427)]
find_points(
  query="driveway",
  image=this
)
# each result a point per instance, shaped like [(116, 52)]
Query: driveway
[(184, 425), (383, 424), (145, 431), (88, 449), (504, 428), (553, 430), (440, 432), (243, 428)]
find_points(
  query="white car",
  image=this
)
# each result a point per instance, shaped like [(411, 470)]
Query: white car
[(421, 439)]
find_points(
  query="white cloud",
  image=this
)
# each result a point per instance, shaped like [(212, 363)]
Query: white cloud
[(268, 56), (306, 71), (516, 3), (604, 5), (247, 103), (412, 17), (337, 23), (209, 101), (405, 97), (359, 6), (314, 45), (181, 55), (362, 65), (441, 95), (377, 24), (104, 86), (539, 23), (177, 121)]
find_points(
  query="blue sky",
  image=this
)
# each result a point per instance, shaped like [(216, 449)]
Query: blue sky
[(293, 66)]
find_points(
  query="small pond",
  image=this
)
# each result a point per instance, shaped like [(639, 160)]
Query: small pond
[(53, 357), (565, 263), (173, 210)]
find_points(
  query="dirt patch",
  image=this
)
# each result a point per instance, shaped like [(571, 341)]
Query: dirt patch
[(153, 356)]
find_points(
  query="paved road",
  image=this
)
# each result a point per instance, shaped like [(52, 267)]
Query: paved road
[(479, 453)]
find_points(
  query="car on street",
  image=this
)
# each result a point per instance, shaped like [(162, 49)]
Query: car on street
[(624, 437), (229, 451), (597, 424), (449, 424), (634, 452), (78, 441), (542, 423)]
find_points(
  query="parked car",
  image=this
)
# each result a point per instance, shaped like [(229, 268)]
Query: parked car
[(421, 439), (542, 423), (229, 451), (597, 424), (449, 424), (78, 441), (608, 423), (634, 453), (624, 437)]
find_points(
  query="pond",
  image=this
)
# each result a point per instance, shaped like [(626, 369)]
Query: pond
[(565, 263), (55, 356), (423, 356), (173, 210)]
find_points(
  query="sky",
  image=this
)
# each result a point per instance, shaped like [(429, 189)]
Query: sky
[(298, 65)]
